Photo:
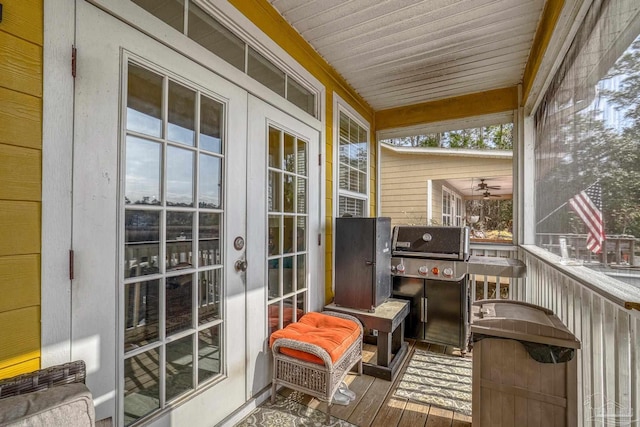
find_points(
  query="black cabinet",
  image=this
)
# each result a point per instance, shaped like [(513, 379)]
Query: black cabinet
[(362, 262), (438, 309)]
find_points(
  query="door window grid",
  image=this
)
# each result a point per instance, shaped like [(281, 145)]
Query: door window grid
[(353, 167), (173, 299), (452, 208), (287, 249), (205, 30)]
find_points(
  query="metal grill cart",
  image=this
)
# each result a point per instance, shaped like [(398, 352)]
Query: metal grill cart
[(524, 366)]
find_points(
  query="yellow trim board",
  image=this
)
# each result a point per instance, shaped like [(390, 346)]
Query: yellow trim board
[(475, 104), (548, 21)]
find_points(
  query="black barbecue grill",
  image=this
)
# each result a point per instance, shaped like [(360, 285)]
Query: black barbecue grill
[(428, 267)]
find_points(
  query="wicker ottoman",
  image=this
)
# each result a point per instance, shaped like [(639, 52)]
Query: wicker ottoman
[(315, 354)]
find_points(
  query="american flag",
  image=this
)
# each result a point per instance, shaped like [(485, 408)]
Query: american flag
[(588, 205)]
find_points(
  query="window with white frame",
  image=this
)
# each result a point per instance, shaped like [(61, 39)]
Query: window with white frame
[(452, 208), (353, 167)]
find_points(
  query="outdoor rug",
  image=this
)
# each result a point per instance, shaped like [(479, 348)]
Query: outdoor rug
[(439, 380), (286, 412)]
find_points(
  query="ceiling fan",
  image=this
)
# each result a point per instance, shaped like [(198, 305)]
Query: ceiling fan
[(483, 186), (487, 194)]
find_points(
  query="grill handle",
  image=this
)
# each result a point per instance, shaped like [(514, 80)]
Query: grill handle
[(423, 310)]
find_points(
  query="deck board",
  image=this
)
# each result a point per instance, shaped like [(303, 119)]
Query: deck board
[(375, 404)]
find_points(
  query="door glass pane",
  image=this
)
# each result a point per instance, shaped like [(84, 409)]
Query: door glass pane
[(168, 11), (182, 114), (273, 313), (144, 101), (288, 233), (211, 35), (211, 125), (142, 311), (287, 275), (179, 240), (178, 300), (210, 292), (142, 242), (302, 158), (141, 385), (301, 196), (179, 177), (210, 181), (300, 303), (289, 193), (274, 148), (273, 201), (301, 272), (264, 71), (274, 278), (301, 234), (209, 353), (301, 96), (179, 366), (289, 153), (142, 182), (289, 314), (274, 235), (209, 248)]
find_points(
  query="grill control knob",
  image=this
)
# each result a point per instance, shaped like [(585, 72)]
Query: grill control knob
[(423, 270), (447, 272), (400, 268)]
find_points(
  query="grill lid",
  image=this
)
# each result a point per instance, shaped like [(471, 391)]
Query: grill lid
[(431, 242)]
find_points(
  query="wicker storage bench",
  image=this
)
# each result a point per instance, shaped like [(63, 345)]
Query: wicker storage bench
[(301, 364)]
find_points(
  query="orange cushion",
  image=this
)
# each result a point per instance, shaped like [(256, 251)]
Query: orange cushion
[(334, 334)]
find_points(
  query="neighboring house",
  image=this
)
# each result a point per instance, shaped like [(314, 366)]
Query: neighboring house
[(171, 171), (430, 185)]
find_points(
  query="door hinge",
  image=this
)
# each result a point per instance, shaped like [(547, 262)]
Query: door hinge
[(319, 159), (319, 239), (74, 54), (71, 273)]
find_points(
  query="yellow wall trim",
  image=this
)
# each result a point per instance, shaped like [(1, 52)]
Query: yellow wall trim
[(475, 104), (548, 21)]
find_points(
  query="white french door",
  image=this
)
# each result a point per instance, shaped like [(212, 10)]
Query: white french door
[(196, 229), (283, 182), (159, 199)]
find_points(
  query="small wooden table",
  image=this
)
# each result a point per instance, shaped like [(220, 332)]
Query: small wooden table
[(388, 320)]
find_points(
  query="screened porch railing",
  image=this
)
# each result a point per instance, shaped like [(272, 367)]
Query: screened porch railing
[(609, 360), (490, 287)]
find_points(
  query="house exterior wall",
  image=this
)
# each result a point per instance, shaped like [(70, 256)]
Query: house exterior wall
[(265, 17), (21, 41), (404, 176)]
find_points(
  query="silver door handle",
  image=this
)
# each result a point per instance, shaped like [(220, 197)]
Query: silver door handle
[(423, 310), (241, 265)]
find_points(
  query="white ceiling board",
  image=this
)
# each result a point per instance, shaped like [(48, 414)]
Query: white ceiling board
[(402, 52)]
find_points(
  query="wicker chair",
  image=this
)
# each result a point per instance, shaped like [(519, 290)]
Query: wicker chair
[(54, 401), (321, 381), (68, 373)]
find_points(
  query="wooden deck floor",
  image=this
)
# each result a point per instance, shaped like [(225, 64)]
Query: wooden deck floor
[(375, 404)]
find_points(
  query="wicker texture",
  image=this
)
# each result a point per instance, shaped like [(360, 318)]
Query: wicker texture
[(321, 381), (72, 372)]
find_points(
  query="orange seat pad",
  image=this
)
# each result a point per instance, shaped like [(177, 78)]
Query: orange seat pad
[(334, 334)]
